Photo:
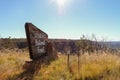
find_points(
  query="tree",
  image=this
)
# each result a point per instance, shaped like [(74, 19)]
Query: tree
[(83, 45)]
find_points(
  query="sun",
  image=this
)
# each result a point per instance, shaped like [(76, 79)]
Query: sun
[(61, 3)]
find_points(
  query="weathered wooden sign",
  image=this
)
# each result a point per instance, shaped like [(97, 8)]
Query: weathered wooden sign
[(37, 41)]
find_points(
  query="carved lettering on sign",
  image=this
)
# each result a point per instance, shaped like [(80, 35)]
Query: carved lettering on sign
[(39, 42)]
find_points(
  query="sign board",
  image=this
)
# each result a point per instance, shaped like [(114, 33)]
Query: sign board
[(37, 41)]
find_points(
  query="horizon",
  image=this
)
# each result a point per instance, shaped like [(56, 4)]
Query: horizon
[(63, 39), (61, 19)]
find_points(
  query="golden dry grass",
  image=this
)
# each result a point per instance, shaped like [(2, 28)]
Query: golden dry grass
[(92, 67), (11, 63)]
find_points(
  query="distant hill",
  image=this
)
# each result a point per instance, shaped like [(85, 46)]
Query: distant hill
[(58, 44), (114, 44)]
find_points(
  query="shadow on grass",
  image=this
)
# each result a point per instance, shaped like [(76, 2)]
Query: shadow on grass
[(32, 67)]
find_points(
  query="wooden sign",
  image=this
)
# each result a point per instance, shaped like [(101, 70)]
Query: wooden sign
[(37, 41)]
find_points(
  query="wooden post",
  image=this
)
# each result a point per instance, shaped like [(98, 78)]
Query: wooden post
[(68, 57), (78, 61), (68, 63), (78, 64)]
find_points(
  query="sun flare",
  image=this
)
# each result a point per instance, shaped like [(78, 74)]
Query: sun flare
[(61, 4)]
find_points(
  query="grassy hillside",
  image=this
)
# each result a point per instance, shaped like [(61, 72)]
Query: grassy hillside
[(92, 67)]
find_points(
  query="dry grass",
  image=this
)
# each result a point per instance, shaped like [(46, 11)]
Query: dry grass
[(92, 67), (11, 63)]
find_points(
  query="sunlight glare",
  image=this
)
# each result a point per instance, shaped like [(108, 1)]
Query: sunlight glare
[(61, 4)]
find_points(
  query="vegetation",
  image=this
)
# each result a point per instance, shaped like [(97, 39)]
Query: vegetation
[(94, 66), (11, 63), (91, 45)]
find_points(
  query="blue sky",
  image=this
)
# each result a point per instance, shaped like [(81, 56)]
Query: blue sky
[(69, 20)]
